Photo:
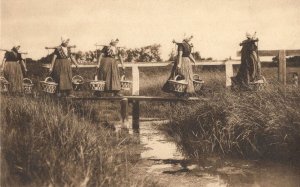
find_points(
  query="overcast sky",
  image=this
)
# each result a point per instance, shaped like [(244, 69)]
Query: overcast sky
[(217, 25)]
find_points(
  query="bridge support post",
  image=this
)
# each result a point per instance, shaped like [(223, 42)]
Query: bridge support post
[(135, 80), (282, 67), (136, 116), (228, 72), (124, 112)]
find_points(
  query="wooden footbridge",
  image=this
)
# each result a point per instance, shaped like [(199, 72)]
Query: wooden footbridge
[(135, 99), (135, 102)]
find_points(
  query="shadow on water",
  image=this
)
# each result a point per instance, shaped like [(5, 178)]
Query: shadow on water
[(160, 158)]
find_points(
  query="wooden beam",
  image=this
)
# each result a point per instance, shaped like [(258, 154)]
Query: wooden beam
[(292, 69), (136, 116), (295, 52), (164, 99), (124, 111), (159, 64), (264, 53), (126, 64), (140, 98), (282, 67), (268, 52), (229, 73), (292, 52), (135, 80)]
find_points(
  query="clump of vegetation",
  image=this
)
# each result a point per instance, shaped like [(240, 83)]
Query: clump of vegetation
[(46, 144), (264, 124), (150, 53)]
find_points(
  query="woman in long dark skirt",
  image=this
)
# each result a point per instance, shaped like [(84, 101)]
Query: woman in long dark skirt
[(250, 68), (182, 66), (108, 69), (61, 69), (12, 69)]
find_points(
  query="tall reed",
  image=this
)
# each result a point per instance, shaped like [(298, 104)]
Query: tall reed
[(263, 124), (45, 144)]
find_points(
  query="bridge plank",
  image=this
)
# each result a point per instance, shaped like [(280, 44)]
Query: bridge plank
[(140, 98)]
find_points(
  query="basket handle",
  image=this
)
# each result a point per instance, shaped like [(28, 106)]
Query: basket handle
[(123, 78), (177, 76), (77, 76), (28, 80), (196, 77), (49, 79)]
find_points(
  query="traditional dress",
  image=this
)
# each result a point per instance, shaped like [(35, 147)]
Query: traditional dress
[(62, 71), (13, 71), (185, 70), (250, 68), (109, 71)]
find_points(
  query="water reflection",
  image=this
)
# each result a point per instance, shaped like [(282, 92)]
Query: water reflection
[(164, 162)]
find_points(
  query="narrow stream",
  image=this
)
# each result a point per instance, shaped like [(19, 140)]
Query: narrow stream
[(161, 160)]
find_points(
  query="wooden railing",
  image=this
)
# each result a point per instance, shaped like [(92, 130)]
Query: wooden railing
[(136, 75)]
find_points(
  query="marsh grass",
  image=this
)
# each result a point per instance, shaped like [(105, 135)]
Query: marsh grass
[(48, 142), (44, 143), (263, 125)]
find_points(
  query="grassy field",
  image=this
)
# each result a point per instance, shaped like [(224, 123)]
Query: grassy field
[(260, 125), (46, 141)]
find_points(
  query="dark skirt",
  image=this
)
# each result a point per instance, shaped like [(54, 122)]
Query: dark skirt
[(186, 71), (62, 74), (249, 71), (109, 72), (13, 74)]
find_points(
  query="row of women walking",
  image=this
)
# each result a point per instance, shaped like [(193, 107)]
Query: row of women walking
[(60, 68), (107, 68)]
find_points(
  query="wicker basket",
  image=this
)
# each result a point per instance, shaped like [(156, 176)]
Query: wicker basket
[(259, 84), (77, 80), (198, 83), (97, 85), (125, 84), (3, 85), (48, 85), (178, 86), (27, 85)]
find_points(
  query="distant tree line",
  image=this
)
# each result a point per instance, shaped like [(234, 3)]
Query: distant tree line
[(149, 53)]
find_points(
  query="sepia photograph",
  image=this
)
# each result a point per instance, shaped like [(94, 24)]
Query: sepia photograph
[(150, 93)]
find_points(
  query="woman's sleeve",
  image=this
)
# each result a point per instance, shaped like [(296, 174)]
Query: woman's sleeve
[(56, 52), (104, 49), (180, 47), (20, 56), (6, 55), (69, 52)]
